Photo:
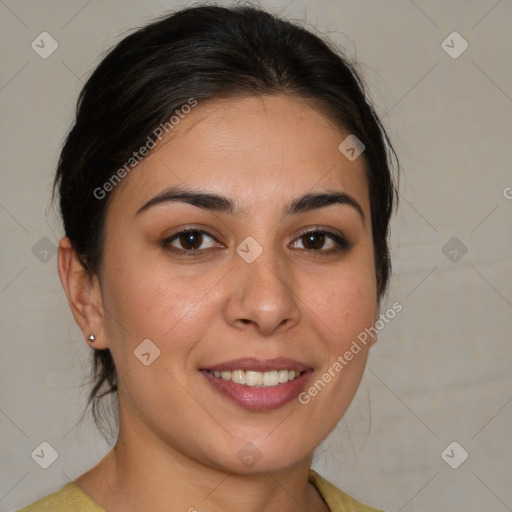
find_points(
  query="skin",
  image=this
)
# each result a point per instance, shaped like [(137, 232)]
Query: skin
[(179, 438)]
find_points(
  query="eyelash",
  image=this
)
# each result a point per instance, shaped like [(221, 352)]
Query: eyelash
[(342, 244)]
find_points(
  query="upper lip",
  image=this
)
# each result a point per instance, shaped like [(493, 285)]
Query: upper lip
[(259, 365)]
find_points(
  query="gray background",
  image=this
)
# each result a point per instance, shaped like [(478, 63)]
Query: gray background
[(440, 371)]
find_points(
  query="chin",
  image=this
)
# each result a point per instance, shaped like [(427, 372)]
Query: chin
[(261, 455)]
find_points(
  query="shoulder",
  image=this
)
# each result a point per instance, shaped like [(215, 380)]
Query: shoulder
[(337, 500), (69, 498)]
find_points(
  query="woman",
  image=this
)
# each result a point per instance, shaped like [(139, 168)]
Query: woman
[(226, 194)]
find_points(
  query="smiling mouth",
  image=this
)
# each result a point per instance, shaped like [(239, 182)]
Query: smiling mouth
[(258, 384), (256, 379)]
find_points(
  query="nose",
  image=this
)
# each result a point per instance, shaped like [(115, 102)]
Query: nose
[(262, 295)]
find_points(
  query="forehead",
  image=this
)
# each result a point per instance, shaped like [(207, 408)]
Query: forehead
[(259, 150)]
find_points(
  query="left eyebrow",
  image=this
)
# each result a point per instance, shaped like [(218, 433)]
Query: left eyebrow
[(218, 203), (319, 200)]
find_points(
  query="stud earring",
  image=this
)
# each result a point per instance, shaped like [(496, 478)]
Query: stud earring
[(91, 338)]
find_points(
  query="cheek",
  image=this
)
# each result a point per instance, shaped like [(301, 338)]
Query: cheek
[(153, 300), (345, 303), (342, 308)]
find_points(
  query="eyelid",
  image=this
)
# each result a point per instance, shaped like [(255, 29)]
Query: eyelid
[(166, 242), (340, 240)]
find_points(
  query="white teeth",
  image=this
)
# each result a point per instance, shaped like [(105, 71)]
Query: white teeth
[(283, 376), (271, 378), (237, 376), (257, 379), (253, 378)]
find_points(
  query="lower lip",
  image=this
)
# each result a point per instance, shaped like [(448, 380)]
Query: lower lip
[(259, 398)]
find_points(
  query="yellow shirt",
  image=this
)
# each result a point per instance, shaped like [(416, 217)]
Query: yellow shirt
[(71, 498)]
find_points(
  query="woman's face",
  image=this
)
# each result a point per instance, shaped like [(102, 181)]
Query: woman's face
[(278, 281)]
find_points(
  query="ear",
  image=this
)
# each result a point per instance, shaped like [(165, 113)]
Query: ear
[(84, 294)]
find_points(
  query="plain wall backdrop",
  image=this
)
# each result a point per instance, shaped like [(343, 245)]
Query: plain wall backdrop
[(440, 372)]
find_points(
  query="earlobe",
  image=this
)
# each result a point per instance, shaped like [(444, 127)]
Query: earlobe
[(83, 293)]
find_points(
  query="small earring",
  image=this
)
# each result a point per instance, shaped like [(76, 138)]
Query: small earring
[(91, 338)]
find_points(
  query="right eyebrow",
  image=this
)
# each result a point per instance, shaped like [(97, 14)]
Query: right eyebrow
[(213, 202)]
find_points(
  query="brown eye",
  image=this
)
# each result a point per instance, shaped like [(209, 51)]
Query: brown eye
[(322, 241), (313, 240), (189, 241)]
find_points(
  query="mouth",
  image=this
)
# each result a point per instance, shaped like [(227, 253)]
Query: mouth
[(256, 384), (250, 378)]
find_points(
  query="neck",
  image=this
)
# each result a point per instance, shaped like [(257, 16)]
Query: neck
[(142, 473)]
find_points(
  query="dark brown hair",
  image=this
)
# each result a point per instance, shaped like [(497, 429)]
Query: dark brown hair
[(205, 52)]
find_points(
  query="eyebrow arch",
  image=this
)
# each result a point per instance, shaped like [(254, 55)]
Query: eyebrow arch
[(319, 200), (218, 203)]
